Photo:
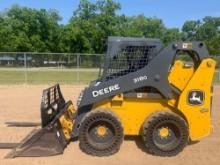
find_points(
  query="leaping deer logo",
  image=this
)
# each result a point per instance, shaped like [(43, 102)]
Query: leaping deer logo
[(194, 98)]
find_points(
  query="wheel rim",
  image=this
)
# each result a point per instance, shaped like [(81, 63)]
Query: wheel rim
[(166, 135), (101, 132)]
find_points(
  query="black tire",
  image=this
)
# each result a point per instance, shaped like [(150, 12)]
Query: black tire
[(170, 144), (94, 144)]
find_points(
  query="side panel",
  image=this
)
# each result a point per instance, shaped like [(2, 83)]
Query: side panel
[(195, 100), (132, 112), (180, 75)]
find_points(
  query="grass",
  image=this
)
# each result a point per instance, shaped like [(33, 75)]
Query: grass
[(47, 76), (54, 75)]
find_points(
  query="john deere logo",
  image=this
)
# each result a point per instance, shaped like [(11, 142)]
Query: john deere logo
[(196, 97)]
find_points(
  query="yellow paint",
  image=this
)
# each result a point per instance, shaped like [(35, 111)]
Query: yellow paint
[(180, 75), (134, 111), (199, 117), (66, 122), (164, 132), (101, 130)]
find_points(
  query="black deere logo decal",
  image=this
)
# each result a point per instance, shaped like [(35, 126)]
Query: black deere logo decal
[(196, 97)]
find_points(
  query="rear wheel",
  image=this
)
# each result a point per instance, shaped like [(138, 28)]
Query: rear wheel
[(101, 133), (165, 134)]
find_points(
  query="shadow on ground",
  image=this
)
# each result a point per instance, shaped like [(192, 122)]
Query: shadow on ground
[(138, 141)]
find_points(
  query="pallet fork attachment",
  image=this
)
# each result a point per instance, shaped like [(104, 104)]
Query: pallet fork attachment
[(22, 124), (57, 123)]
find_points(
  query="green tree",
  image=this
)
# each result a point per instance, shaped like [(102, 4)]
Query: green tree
[(92, 23), (190, 29), (207, 30), (170, 35), (26, 29)]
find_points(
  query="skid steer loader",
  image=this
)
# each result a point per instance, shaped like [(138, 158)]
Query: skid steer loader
[(143, 90)]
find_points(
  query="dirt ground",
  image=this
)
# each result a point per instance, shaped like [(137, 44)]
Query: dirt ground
[(21, 103)]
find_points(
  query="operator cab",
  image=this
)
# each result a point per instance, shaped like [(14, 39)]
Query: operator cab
[(125, 55)]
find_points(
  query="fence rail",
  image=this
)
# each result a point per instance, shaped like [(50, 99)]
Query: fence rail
[(44, 68)]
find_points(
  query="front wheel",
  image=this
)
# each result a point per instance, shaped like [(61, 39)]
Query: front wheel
[(101, 133), (165, 134)]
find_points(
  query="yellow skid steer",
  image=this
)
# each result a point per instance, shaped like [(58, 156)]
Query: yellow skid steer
[(144, 89)]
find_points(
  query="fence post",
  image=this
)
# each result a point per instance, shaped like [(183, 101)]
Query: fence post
[(78, 63), (25, 68)]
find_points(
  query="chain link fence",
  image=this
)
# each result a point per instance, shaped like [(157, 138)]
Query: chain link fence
[(44, 68), (50, 68)]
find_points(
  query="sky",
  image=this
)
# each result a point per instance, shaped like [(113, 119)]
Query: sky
[(173, 12)]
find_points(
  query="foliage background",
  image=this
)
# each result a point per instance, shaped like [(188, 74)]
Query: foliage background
[(25, 29)]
